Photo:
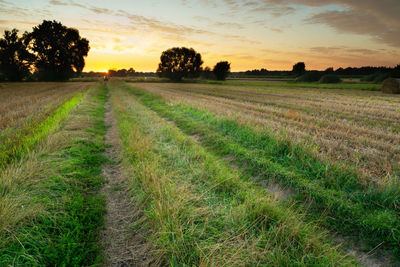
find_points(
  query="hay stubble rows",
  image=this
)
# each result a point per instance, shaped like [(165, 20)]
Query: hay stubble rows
[(356, 128), (200, 174)]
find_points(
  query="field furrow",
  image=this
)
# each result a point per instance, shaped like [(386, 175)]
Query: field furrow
[(38, 119), (351, 206), (50, 207), (372, 149), (185, 174), (201, 211), (22, 101)]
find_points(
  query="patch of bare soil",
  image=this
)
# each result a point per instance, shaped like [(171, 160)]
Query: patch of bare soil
[(279, 192), (195, 138), (122, 246), (372, 258)]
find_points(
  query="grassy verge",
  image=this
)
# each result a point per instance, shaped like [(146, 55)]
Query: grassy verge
[(16, 142), (199, 210), (50, 208), (351, 207)]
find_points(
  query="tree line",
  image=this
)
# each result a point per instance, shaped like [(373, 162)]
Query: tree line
[(299, 69), (54, 52), (181, 62), (51, 52), (121, 72)]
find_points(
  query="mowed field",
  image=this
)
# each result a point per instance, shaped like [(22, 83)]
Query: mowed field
[(357, 128), (28, 110), (198, 175)]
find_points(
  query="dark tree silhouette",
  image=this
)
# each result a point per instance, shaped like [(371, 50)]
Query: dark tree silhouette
[(299, 68), (59, 50), (15, 60), (131, 72), (121, 73), (221, 70), (180, 62), (207, 73)]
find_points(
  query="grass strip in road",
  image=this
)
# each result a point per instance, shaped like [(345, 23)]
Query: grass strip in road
[(199, 210), (15, 142), (50, 207), (350, 207)]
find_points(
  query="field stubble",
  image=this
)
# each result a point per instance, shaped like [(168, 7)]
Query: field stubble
[(356, 128), (50, 209), (203, 212), (18, 101), (337, 196)]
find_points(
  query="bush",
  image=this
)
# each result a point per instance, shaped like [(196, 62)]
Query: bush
[(311, 76), (299, 68), (376, 77), (368, 78), (381, 77), (330, 78), (221, 70), (207, 74)]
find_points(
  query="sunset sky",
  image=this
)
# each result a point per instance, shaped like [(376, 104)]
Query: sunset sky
[(272, 34)]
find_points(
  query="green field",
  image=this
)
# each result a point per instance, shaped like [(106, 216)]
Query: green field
[(235, 173), (265, 83)]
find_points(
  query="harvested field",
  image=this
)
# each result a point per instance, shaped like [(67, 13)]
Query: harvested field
[(331, 191), (28, 112), (356, 128), (156, 174), (50, 206), (19, 101)]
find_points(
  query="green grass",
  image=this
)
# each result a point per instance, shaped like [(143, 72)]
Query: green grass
[(64, 204), (348, 86), (200, 211), (15, 142), (351, 207), (344, 85)]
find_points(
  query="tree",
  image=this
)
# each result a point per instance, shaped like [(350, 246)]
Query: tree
[(180, 62), (60, 51), (131, 72), (221, 70), (15, 60), (299, 68), (121, 72), (207, 73), (329, 70), (396, 71)]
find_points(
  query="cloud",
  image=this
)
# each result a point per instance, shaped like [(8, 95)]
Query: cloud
[(357, 22), (18, 22), (69, 3), (335, 50), (58, 3), (276, 11), (378, 19), (160, 26), (99, 10), (386, 10)]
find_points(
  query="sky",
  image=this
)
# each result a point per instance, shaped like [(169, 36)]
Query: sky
[(250, 34)]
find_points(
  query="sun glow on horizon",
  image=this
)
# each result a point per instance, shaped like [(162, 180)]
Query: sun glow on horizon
[(274, 37)]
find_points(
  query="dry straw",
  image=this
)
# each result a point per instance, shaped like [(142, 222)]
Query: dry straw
[(391, 86)]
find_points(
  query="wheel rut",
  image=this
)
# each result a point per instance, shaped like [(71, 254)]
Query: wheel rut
[(121, 245)]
